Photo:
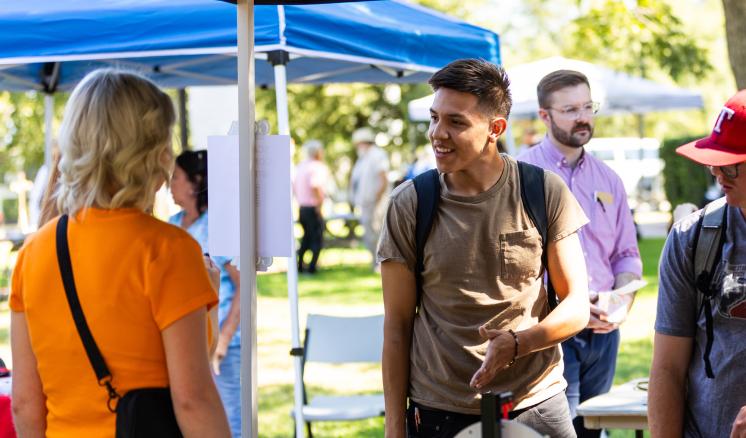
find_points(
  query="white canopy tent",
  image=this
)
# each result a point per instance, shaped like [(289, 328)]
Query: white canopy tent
[(619, 93)]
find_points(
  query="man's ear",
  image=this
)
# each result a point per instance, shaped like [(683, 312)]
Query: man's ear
[(498, 127), (544, 116)]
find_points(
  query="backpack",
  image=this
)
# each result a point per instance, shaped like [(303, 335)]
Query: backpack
[(427, 186), (708, 248)]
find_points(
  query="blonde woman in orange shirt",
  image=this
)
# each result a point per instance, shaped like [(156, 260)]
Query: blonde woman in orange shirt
[(142, 283)]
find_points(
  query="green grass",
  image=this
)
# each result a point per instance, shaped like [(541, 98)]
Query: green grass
[(338, 284), (650, 251), (276, 403)]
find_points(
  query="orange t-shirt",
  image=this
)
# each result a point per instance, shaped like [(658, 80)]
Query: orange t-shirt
[(135, 275)]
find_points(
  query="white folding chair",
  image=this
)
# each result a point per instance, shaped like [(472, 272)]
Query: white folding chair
[(336, 340)]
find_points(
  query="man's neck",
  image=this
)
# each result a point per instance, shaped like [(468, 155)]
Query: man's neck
[(478, 178), (571, 154)]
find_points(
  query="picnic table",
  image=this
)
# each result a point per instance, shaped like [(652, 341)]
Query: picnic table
[(623, 407)]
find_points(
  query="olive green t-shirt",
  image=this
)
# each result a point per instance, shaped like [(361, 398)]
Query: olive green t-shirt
[(482, 265)]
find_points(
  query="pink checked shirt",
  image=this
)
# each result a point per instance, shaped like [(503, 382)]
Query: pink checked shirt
[(609, 241)]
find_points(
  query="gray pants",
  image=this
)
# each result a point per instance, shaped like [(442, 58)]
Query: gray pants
[(550, 417)]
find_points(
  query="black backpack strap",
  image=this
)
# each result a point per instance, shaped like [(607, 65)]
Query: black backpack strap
[(427, 186), (533, 198), (708, 248), (91, 349)]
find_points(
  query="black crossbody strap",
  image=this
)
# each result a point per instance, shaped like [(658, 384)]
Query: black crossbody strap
[(427, 186), (103, 375)]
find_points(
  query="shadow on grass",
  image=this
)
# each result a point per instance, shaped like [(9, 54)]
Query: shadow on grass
[(339, 284), (276, 403)]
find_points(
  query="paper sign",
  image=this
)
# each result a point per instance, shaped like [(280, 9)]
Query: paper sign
[(275, 218), (614, 303), (273, 213), (223, 228)]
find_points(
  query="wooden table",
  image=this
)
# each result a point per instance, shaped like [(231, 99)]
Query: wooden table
[(623, 407)]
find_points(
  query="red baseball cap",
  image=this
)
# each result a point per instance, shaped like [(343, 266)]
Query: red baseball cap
[(727, 143)]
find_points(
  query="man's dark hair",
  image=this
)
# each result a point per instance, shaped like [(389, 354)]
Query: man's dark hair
[(487, 81), (555, 81)]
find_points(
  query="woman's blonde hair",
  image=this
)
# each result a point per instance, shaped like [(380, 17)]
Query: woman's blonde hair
[(115, 142)]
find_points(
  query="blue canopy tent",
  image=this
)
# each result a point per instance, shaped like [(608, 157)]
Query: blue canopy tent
[(48, 45), (193, 42)]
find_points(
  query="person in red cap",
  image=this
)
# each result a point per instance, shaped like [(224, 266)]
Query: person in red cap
[(698, 377)]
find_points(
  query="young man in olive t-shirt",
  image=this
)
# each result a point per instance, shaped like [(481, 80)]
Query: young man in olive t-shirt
[(483, 322)]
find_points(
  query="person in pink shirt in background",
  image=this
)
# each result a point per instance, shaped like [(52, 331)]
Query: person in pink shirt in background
[(311, 178), (609, 241)]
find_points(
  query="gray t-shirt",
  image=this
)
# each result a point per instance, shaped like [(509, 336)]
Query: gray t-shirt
[(482, 266), (713, 403)]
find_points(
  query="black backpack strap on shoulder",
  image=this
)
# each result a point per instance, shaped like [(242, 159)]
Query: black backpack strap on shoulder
[(534, 202), (91, 349), (427, 186), (708, 248)]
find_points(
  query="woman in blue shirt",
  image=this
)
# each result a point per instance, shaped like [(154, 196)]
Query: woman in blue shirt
[(189, 191)]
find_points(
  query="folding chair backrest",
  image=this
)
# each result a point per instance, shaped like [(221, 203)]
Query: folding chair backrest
[(337, 339)]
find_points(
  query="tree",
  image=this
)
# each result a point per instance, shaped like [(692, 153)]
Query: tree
[(22, 134), (735, 31), (640, 38)]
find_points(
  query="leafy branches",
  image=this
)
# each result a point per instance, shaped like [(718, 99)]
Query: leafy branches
[(638, 38)]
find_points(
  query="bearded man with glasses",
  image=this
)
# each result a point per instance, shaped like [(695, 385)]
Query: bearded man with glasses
[(698, 378), (609, 241)]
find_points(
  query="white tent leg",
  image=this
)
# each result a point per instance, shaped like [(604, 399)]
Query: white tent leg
[(48, 134), (283, 126), (247, 209)]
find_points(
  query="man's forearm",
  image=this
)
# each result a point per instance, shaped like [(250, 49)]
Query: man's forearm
[(665, 404), (622, 279), (566, 320), (396, 379)]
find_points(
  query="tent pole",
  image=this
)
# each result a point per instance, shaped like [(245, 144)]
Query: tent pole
[(183, 119), (279, 61), (247, 203), (48, 135)]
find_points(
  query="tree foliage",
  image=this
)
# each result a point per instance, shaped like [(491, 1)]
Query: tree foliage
[(683, 180), (330, 113), (22, 130), (638, 38)]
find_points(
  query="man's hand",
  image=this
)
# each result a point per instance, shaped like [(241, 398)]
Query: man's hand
[(598, 322), (739, 426), (500, 352)]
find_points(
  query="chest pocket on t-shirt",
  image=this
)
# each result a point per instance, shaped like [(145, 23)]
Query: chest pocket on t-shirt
[(520, 253)]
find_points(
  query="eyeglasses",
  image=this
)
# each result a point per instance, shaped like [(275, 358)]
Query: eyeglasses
[(730, 171), (575, 112)]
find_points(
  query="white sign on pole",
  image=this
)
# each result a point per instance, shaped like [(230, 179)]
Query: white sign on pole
[(274, 217), (273, 195), (223, 228)]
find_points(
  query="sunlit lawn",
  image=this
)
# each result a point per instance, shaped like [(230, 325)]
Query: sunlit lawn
[(345, 285)]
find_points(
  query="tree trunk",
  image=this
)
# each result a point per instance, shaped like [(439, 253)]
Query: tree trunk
[(735, 32)]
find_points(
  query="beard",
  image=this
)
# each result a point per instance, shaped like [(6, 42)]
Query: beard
[(569, 138)]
